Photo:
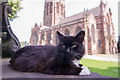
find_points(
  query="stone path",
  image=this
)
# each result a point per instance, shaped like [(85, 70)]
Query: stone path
[(103, 57)]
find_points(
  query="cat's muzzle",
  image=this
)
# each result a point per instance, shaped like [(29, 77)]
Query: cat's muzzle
[(78, 57)]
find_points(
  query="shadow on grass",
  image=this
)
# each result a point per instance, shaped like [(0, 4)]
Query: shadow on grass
[(110, 71)]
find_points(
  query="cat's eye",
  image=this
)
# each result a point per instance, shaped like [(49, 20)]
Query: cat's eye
[(74, 46), (63, 46)]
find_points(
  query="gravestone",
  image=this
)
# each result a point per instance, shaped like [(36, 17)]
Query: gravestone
[(10, 43)]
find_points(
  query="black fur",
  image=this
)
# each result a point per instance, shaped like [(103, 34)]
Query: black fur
[(51, 59)]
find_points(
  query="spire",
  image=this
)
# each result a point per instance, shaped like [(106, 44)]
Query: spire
[(40, 25), (84, 13), (87, 12), (32, 28), (102, 2), (106, 2), (110, 11), (36, 24)]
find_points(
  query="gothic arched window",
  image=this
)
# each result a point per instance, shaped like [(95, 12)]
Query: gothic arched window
[(47, 8), (67, 32), (49, 38), (57, 7), (42, 38), (62, 8), (50, 7), (99, 43), (78, 29), (35, 38), (57, 39), (93, 33), (108, 29)]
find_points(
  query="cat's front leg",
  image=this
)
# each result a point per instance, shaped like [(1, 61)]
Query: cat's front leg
[(84, 71)]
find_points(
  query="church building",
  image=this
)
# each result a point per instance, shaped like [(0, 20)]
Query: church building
[(97, 24)]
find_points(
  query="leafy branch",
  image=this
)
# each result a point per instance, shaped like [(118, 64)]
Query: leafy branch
[(15, 4)]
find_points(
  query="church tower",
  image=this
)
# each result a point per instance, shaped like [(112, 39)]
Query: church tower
[(54, 11)]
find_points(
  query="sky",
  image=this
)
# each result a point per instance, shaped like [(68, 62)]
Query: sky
[(32, 13)]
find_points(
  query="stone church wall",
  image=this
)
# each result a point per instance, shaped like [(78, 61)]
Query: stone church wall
[(99, 30)]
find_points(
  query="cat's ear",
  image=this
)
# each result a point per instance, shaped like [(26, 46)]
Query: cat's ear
[(61, 37), (80, 36)]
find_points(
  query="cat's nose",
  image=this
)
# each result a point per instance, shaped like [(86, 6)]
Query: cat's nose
[(78, 57), (68, 50)]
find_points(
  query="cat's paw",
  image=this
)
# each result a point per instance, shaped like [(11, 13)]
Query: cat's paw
[(85, 71)]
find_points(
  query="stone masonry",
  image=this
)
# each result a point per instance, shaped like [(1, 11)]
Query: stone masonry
[(97, 24)]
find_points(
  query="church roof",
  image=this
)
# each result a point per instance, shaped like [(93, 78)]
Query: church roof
[(94, 11)]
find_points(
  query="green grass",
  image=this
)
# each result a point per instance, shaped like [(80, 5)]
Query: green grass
[(102, 67)]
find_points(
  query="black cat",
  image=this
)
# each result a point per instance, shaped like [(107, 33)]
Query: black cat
[(62, 59)]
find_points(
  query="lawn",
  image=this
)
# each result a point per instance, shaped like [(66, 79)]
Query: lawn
[(102, 67)]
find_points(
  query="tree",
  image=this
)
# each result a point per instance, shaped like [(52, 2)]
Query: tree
[(15, 4), (23, 44)]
